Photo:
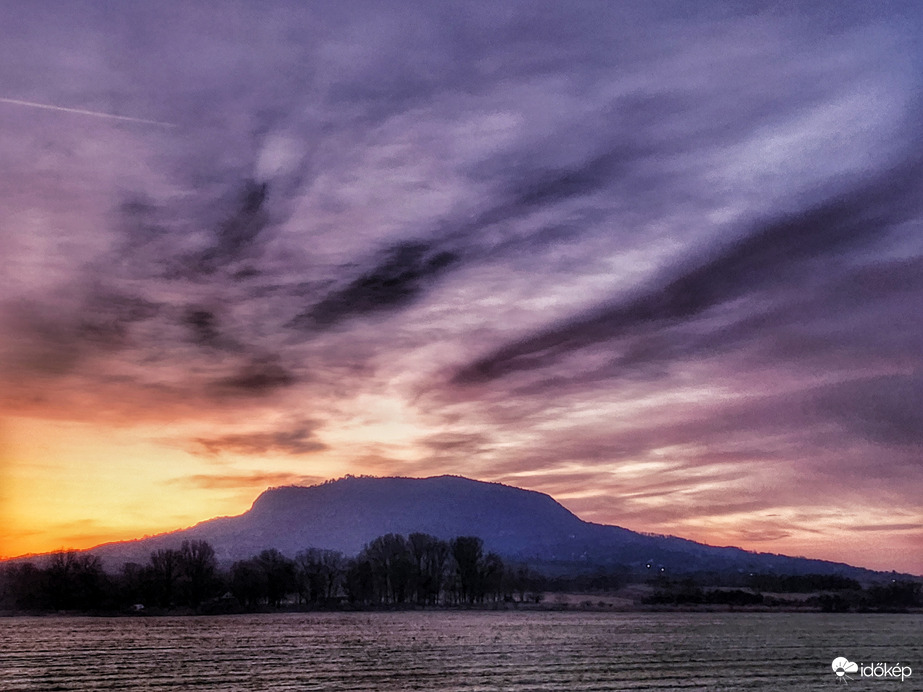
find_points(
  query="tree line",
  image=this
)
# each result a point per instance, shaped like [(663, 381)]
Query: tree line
[(392, 570), (182, 577), (827, 592)]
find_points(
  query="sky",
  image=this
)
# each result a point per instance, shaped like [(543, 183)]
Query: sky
[(660, 260)]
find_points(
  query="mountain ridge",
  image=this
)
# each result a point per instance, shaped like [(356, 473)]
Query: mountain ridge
[(521, 525)]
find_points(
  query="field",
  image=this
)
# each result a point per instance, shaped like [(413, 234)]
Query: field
[(478, 650)]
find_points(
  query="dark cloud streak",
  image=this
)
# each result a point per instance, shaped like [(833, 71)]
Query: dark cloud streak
[(886, 410), (236, 237), (257, 377), (394, 283), (768, 257), (299, 439)]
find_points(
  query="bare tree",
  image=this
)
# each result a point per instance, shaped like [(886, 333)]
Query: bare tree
[(164, 572), (392, 567), (74, 580), (197, 567), (430, 555), (319, 574), (280, 575), (248, 582), (468, 552)]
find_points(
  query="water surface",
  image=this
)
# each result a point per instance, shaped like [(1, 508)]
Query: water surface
[(441, 650)]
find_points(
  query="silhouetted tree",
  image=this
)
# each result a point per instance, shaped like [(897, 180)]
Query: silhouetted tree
[(898, 595), (318, 574), (23, 587), (248, 582), (802, 583), (830, 602), (492, 577), (430, 556), (280, 575), (197, 570), (74, 581), (163, 572), (526, 583), (468, 553), (133, 583), (392, 567), (308, 577), (359, 580), (334, 565)]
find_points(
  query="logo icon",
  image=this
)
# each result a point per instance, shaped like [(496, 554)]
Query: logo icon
[(841, 666)]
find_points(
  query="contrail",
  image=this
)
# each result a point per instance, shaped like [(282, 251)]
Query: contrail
[(80, 111)]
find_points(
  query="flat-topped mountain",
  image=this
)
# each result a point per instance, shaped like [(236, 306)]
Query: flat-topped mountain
[(518, 524)]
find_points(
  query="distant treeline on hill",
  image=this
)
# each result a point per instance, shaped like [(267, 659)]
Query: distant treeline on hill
[(826, 592), (419, 570)]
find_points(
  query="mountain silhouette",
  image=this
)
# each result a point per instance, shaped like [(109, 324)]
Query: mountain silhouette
[(520, 525)]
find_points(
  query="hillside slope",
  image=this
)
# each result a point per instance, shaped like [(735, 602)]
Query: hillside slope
[(518, 524)]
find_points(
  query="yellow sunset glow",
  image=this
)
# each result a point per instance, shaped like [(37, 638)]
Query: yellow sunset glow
[(74, 485)]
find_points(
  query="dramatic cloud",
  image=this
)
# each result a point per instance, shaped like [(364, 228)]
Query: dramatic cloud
[(298, 440), (661, 261), (390, 285), (776, 255)]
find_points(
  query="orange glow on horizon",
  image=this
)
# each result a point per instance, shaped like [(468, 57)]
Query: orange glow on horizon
[(72, 485), (68, 485)]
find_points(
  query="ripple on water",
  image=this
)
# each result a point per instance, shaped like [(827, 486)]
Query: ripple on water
[(439, 650)]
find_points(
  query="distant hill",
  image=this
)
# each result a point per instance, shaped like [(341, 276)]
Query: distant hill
[(518, 524)]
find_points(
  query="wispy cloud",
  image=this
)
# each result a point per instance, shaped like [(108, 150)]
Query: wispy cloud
[(775, 254), (296, 440), (255, 480)]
